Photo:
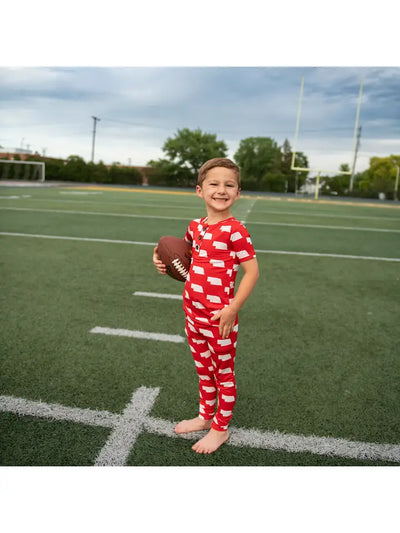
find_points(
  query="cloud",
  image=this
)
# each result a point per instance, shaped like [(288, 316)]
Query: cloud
[(140, 107)]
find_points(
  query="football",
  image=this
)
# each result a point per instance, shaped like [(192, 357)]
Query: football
[(176, 255)]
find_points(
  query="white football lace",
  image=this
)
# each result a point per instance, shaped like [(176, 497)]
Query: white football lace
[(180, 268)]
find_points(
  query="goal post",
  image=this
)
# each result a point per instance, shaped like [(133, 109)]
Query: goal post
[(36, 172), (319, 170)]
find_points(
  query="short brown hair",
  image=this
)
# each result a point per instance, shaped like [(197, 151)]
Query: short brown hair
[(217, 162)]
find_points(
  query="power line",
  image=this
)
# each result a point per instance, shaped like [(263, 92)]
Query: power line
[(339, 128)]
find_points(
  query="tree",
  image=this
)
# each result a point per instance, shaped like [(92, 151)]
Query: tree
[(286, 164), (380, 176), (124, 175), (338, 184), (53, 168), (165, 173), (75, 169), (257, 157), (190, 149), (97, 172)]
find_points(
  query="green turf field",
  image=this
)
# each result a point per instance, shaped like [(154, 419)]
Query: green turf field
[(317, 366)]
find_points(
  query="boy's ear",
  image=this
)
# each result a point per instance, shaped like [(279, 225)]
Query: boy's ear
[(199, 191)]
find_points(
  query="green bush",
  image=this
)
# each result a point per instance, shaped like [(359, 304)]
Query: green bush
[(124, 175)]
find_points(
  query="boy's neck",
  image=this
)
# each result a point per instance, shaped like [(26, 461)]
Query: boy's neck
[(214, 218)]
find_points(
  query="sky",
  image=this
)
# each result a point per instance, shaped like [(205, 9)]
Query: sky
[(230, 69), (50, 109)]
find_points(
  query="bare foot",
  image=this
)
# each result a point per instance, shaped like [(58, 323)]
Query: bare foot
[(195, 424), (211, 442)]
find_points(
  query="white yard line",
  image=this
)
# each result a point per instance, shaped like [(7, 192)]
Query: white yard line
[(101, 201), (175, 206), (54, 411), (122, 439), (158, 295), (80, 193), (326, 215), (93, 213), (142, 243), (135, 419), (247, 210), (146, 335), (128, 215), (338, 256), (85, 239), (320, 226)]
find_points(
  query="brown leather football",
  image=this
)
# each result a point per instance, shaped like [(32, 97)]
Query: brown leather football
[(176, 255)]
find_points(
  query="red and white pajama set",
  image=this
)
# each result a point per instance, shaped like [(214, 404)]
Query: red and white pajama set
[(217, 251)]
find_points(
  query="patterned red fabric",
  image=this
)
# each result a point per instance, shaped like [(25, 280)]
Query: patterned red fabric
[(214, 358), (217, 251)]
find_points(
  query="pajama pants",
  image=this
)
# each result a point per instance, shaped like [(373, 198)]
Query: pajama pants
[(214, 358)]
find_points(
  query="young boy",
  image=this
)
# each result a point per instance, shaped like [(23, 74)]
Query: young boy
[(220, 244)]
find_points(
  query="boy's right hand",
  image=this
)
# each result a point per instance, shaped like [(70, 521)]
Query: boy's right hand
[(162, 269)]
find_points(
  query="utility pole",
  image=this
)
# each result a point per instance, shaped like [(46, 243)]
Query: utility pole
[(357, 142), (396, 183), (95, 119), (353, 169)]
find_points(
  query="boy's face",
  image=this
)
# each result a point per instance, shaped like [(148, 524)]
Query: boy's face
[(219, 190)]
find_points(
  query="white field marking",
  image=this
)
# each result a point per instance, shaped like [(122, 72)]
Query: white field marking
[(320, 226), (138, 334), (248, 210), (340, 256), (80, 192), (142, 243), (119, 444), (275, 440), (92, 213), (175, 206), (129, 215), (107, 202), (54, 411), (327, 215), (85, 239), (15, 197), (159, 295), (128, 425)]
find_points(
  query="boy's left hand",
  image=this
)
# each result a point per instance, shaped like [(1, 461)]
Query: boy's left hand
[(227, 319)]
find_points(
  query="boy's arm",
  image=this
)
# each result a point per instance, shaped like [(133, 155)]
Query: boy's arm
[(227, 315), (162, 269)]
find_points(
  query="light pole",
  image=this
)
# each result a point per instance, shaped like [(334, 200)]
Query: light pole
[(396, 184), (356, 136), (94, 135)]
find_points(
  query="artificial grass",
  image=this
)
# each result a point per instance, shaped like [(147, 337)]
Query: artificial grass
[(317, 350)]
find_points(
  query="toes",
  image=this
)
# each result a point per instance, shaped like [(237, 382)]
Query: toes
[(198, 447), (178, 428), (201, 447)]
